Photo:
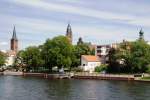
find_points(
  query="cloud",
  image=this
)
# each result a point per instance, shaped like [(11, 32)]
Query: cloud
[(121, 18), (72, 1), (32, 25), (73, 10), (41, 29), (3, 43), (93, 25)]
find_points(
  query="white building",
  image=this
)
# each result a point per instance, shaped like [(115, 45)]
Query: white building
[(10, 58), (102, 52), (89, 62), (11, 55)]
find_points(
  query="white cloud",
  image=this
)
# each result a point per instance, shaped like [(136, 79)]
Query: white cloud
[(88, 32), (72, 1), (123, 18), (74, 10), (32, 25), (39, 26), (3, 43)]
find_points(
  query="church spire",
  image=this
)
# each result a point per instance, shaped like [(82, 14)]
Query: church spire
[(141, 35), (14, 36), (14, 41), (69, 33)]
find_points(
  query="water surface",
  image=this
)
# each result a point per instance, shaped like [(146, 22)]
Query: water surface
[(31, 88)]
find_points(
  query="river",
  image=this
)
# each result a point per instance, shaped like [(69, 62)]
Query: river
[(32, 88)]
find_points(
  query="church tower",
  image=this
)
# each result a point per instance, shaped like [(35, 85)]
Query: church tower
[(141, 35), (80, 41), (14, 42), (69, 33)]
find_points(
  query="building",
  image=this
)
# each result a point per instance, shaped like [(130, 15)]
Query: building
[(141, 35), (14, 42), (69, 33), (89, 62), (12, 53), (10, 58), (80, 41), (102, 51)]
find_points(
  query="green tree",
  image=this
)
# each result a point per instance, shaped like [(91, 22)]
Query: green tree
[(101, 68), (78, 50), (57, 52), (31, 56), (2, 59), (140, 56), (134, 55)]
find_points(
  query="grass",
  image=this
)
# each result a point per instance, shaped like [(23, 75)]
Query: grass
[(145, 78)]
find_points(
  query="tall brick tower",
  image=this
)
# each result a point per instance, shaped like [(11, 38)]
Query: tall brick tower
[(69, 33), (14, 42)]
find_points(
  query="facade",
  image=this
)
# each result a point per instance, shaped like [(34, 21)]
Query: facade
[(69, 33), (102, 52), (10, 58), (89, 62)]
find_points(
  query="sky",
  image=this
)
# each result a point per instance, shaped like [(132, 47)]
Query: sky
[(96, 21)]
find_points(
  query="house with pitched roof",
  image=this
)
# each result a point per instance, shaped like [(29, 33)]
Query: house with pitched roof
[(89, 62)]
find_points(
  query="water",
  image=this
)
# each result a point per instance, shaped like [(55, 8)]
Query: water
[(31, 88)]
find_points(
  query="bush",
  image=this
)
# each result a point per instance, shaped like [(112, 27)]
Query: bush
[(77, 69), (101, 68), (148, 69)]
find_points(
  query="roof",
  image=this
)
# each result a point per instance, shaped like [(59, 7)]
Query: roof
[(69, 31), (14, 34), (91, 58)]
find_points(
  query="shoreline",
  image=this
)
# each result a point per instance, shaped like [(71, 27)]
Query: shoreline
[(116, 77)]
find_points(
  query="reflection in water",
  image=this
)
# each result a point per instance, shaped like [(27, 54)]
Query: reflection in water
[(29, 88)]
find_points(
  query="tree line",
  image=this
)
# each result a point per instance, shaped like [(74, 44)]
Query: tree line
[(130, 57), (54, 53)]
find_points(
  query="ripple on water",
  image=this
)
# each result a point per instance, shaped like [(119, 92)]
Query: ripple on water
[(30, 88)]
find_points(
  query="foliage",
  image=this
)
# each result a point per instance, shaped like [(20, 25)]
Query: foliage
[(101, 68), (54, 52), (57, 52), (77, 69), (2, 59), (135, 56), (31, 57), (145, 78), (78, 50), (148, 69)]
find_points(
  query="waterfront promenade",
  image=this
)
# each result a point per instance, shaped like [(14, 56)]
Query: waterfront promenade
[(74, 75), (81, 75)]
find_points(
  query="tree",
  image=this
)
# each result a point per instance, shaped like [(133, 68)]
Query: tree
[(2, 59), (140, 56), (57, 52), (135, 57), (78, 50), (101, 68), (31, 56)]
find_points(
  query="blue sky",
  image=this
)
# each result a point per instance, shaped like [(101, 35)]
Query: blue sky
[(96, 21)]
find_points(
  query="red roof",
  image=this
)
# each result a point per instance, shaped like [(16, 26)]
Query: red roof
[(91, 58)]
